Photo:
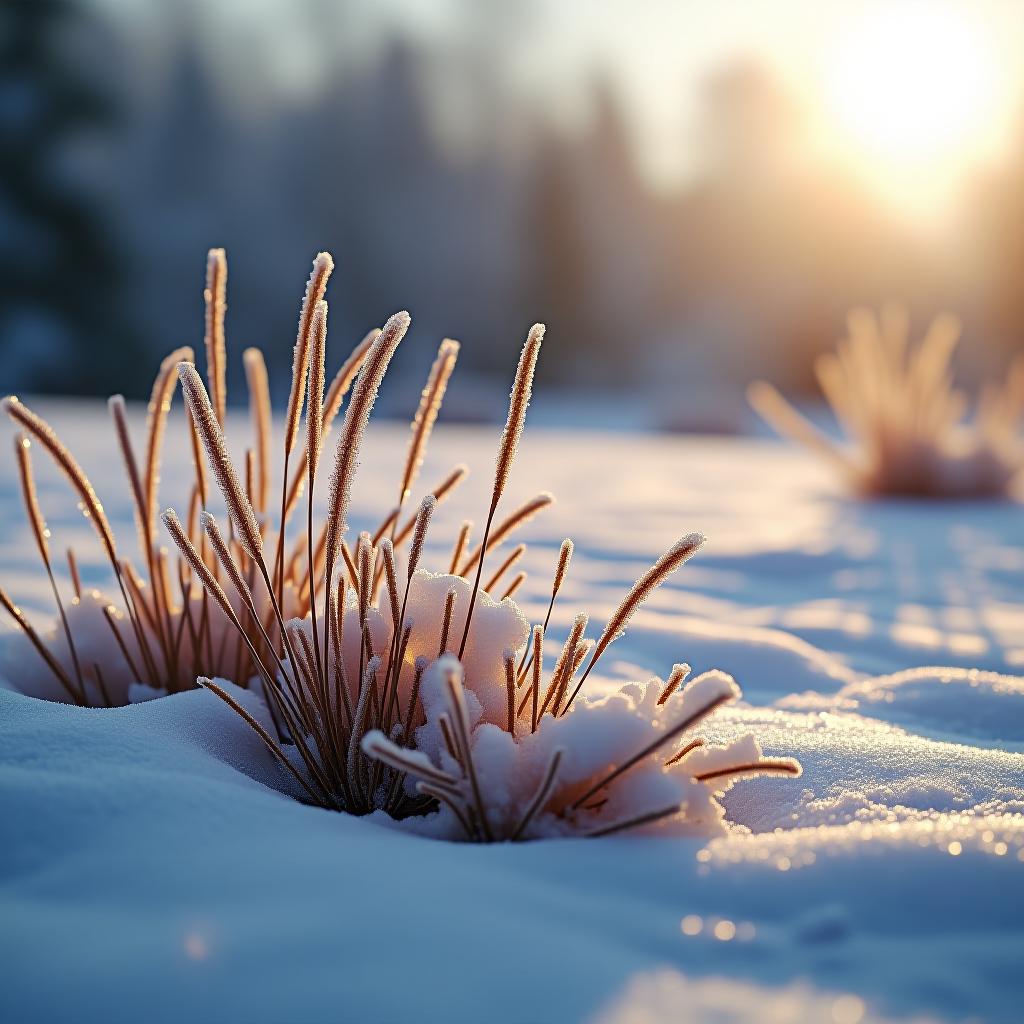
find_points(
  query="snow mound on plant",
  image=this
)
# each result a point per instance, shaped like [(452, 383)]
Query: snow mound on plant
[(593, 738), (94, 644), (497, 627)]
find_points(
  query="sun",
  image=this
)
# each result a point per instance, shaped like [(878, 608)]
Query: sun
[(911, 85)]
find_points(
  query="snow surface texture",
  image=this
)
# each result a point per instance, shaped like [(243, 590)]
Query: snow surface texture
[(154, 868)]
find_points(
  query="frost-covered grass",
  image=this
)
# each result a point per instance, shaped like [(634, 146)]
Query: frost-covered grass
[(376, 699), (899, 409)]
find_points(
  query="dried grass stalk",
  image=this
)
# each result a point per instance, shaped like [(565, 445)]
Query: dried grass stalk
[(522, 389), (76, 579), (426, 413), (124, 441), (520, 517), (28, 490), (332, 406), (323, 265), (240, 511), (66, 463), (419, 537), (563, 666), (44, 652), (260, 415), (542, 795), (156, 428), (315, 411), (564, 558), (674, 681), (565, 552), (195, 561), (346, 458), (41, 534), (538, 659), (216, 349), (226, 559), (673, 559), (460, 544)]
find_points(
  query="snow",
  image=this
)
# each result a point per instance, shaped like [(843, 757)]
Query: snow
[(501, 623), (579, 748), (984, 707), (669, 995), (154, 865)]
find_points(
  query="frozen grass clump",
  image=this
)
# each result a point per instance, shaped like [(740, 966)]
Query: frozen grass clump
[(165, 630), (623, 761), (390, 686), (904, 419)]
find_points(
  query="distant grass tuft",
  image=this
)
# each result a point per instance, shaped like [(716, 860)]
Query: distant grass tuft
[(903, 417)]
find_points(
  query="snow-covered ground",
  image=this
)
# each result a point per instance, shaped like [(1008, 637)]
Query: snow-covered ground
[(152, 869)]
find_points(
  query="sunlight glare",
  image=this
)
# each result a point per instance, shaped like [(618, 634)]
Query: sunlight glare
[(912, 81), (912, 92)]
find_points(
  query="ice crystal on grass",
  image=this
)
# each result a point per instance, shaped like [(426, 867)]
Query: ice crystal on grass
[(904, 419), (389, 686)]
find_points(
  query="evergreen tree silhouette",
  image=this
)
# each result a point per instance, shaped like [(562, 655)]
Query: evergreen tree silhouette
[(61, 327)]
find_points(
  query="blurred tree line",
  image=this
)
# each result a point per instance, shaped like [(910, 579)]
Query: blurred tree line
[(63, 319), (679, 296)]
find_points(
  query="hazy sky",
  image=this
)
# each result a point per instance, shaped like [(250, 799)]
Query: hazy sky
[(909, 89)]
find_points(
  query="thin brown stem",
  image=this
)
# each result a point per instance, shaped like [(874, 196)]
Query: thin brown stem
[(636, 822), (41, 649), (460, 721), (673, 559), (510, 691), (542, 795), (767, 766)]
